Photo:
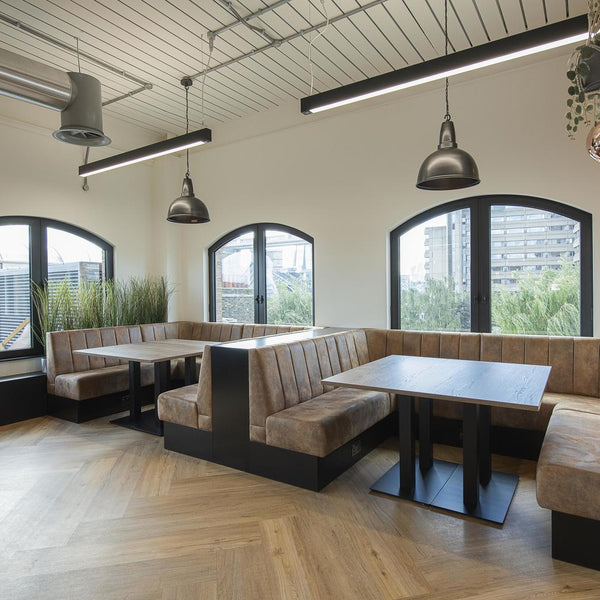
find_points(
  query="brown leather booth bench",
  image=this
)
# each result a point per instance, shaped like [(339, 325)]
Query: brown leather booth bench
[(568, 483), (270, 414), (84, 387)]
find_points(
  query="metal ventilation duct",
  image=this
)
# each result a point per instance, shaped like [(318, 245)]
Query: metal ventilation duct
[(76, 95)]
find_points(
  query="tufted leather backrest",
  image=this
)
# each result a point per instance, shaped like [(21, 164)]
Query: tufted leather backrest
[(60, 344), (575, 361), (287, 374)]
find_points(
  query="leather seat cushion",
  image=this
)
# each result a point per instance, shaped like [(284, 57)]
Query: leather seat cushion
[(179, 406), (568, 470), (324, 423), (93, 383)]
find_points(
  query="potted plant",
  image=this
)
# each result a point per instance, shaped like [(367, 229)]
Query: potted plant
[(583, 103)]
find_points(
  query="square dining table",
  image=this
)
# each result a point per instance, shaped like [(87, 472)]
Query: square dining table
[(471, 488), (160, 353)]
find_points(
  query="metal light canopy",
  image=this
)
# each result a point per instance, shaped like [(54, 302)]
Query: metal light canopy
[(187, 208)]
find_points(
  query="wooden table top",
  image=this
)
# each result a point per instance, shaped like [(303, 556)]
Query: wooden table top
[(150, 352), (478, 382)]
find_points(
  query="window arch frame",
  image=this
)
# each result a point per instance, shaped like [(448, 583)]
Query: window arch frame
[(38, 265), (260, 269), (480, 211)]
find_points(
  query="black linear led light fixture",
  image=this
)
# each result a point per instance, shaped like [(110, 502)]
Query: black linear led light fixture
[(176, 144), (530, 42)]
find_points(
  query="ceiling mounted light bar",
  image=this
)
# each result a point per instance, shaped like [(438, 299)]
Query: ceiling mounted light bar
[(523, 44), (176, 144)]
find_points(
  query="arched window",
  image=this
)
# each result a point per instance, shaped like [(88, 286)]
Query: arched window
[(502, 264), (39, 250), (262, 273)]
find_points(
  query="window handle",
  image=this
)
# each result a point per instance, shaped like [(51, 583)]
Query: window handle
[(260, 299)]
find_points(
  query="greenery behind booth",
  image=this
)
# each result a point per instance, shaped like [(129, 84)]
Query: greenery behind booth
[(61, 306)]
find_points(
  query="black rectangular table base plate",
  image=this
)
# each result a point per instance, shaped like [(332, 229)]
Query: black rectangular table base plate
[(494, 498), (427, 485), (146, 422), (442, 487)]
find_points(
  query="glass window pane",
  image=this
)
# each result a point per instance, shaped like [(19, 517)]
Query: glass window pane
[(234, 280), (74, 258), (289, 279), (435, 274), (15, 288), (535, 271)]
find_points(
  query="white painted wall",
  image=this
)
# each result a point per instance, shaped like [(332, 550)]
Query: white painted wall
[(38, 177), (345, 177), (348, 177)]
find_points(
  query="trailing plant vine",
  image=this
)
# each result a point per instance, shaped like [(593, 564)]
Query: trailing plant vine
[(583, 108)]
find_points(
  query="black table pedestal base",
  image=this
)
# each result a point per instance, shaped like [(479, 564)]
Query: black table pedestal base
[(442, 487), (494, 498), (427, 485), (145, 421)]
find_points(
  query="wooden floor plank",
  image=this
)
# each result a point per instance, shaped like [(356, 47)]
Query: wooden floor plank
[(97, 511)]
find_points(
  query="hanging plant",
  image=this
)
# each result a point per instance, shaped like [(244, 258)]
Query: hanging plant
[(583, 104)]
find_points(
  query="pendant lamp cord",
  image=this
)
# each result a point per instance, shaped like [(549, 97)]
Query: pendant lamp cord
[(187, 128), (447, 116)]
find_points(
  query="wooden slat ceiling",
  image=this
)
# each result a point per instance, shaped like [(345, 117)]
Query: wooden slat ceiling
[(159, 41)]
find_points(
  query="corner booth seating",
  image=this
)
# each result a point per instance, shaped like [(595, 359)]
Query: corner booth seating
[(84, 387)]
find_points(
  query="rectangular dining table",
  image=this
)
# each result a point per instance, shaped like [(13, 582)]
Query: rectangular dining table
[(160, 353), (471, 488)]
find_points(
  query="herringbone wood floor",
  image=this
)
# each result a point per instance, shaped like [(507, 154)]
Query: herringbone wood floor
[(97, 511)]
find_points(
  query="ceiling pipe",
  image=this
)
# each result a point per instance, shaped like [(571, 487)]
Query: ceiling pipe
[(76, 95), (29, 80)]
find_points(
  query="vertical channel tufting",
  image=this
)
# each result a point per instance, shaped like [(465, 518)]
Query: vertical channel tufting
[(159, 331), (78, 342), (513, 349), (491, 347), (561, 359), (537, 350), (197, 331), (236, 331), (135, 334), (342, 350), (259, 330), (395, 342), (324, 362), (109, 338), (470, 346), (376, 343), (300, 372), (93, 339), (430, 345), (288, 379), (586, 361), (147, 332), (411, 343), (362, 346), (334, 356), (313, 366), (247, 331), (449, 345), (352, 353), (225, 334)]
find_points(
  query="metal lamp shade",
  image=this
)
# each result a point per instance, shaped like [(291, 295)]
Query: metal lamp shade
[(449, 167), (187, 208)]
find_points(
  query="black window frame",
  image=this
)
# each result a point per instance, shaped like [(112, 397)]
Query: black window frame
[(480, 207), (38, 265), (260, 266)]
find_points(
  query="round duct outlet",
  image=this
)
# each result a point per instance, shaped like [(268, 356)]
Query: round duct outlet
[(81, 121)]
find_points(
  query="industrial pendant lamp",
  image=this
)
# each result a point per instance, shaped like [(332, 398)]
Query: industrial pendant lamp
[(187, 208), (449, 167)]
